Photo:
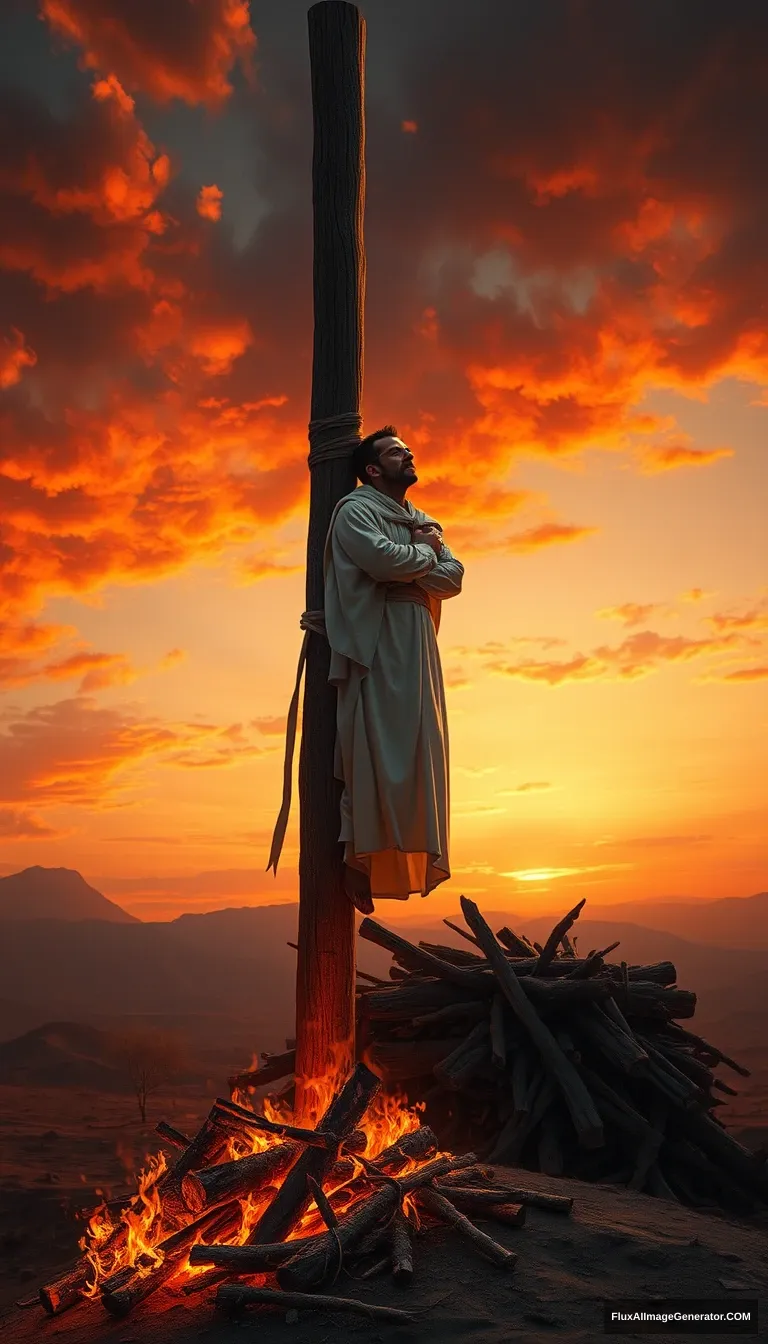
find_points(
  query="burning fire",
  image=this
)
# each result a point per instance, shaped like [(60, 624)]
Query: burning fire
[(106, 1252), (129, 1239)]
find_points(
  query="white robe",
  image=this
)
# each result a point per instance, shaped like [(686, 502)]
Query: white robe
[(392, 729)]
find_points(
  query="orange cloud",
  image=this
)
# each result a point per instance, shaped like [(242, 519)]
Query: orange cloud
[(271, 725), (667, 457), (97, 670), (637, 656), (217, 347), (79, 197), (185, 50), (755, 619), (15, 356), (74, 752), (17, 824), (631, 613), (742, 674), (209, 202), (172, 658)]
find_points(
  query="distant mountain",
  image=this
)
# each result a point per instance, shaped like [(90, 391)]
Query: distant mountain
[(733, 921), (70, 1054), (56, 893), (16, 1017), (60, 1054), (229, 965), (230, 974)]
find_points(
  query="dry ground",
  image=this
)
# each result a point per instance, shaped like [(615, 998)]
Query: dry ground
[(58, 1148)]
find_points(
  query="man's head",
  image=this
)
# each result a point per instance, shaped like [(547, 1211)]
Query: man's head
[(382, 460)]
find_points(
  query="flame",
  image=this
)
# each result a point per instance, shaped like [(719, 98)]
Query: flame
[(107, 1252), (111, 1243)]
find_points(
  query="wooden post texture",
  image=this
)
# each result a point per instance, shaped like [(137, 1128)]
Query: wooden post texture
[(326, 953)]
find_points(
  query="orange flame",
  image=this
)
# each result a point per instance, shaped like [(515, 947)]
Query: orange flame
[(107, 1252), (132, 1240)]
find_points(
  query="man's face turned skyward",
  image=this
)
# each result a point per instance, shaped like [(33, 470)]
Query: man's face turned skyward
[(396, 462)]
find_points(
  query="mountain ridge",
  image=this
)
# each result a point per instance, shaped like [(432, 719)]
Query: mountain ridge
[(56, 893)]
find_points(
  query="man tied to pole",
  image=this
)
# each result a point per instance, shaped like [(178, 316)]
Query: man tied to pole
[(387, 573)]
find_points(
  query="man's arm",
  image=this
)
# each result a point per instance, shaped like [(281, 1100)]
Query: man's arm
[(446, 578), (363, 542)]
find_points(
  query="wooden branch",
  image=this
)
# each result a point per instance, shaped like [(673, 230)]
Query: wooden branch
[(471, 1011), (463, 932), (401, 1249), (550, 947), (341, 1118), (172, 1136), (441, 1207), (310, 1269), (123, 1290), (592, 965), (456, 1067), (683, 1034), (647, 999), (66, 1291), (519, 946), (457, 956), (395, 1061), (372, 979), (580, 1105), (252, 1259), (232, 1299), (615, 1109), (235, 1180), (277, 1066), (726, 1151), (622, 1050), (403, 1004), (411, 956), (224, 1121), (481, 1175), (507, 1194), (313, 1138), (121, 1301), (498, 1034)]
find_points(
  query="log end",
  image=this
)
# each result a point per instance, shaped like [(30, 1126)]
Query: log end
[(119, 1303)]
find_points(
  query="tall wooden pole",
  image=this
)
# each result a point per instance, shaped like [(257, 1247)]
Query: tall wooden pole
[(325, 993)]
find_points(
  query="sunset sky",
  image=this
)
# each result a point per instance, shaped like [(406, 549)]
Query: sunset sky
[(567, 242)]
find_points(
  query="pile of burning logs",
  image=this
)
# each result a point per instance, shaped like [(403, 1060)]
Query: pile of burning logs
[(287, 1219), (571, 1065)]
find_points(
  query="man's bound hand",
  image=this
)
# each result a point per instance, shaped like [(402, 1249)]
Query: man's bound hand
[(429, 536)]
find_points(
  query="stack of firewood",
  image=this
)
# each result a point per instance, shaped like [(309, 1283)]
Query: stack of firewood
[(288, 1219), (571, 1065)]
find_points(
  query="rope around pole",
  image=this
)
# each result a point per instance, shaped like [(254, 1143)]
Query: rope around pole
[(334, 437)]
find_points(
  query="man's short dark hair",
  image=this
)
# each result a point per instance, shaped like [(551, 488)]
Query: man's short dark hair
[(366, 453)]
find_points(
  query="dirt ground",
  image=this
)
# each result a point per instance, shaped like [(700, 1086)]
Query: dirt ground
[(57, 1149)]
